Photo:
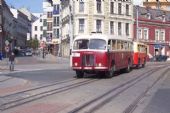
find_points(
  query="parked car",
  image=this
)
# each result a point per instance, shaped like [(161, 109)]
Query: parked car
[(159, 58), (28, 53)]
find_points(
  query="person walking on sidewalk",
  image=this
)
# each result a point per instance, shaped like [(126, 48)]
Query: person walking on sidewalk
[(11, 61)]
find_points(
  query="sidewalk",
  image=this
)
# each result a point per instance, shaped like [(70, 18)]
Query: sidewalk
[(36, 63), (4, 65), (52, 59), (11, 84)]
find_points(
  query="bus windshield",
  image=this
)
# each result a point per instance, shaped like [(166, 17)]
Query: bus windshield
[(81, 44), (98, 44)]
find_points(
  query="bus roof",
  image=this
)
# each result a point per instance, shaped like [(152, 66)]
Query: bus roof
[(101, 36)]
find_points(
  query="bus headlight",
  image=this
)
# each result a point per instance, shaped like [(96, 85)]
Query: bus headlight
[(100, 64), (76, 54), (76, 64)]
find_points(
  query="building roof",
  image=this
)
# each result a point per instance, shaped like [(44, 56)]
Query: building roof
[(152, 14)]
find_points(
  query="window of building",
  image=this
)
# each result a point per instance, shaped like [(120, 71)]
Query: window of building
[(35, 28), (162, 35), (98, 25), (41, 36), (127, 29), (127, 9), (119, 28), (58, 7), (112, 7), (49, 26), (49, 14), (40, 20), (111, 27), (55, 21), (156, 34), (81, 25), (99, 5), (35, 36), (139, 33), (119, 8), (81, 6), (145, 34), (58, 33), (45, 22), (58, 21), (41, 28)]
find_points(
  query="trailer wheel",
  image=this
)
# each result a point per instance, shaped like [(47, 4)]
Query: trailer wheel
[(129, 67), (79, 74), (110, 73), (138, 65), (143, 65)]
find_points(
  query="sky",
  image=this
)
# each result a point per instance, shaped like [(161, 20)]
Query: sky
[(35, 6)]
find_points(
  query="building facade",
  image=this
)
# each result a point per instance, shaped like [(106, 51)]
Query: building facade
[(78, 17), (153, 29), (37, 29), (22, 28), (6, 27), (51, 25)]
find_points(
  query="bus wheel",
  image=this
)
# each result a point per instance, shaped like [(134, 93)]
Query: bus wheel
[(80, 74), (129, 67), (109, 74)]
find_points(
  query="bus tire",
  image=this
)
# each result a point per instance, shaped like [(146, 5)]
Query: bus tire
[(110, 73), (79, 74)]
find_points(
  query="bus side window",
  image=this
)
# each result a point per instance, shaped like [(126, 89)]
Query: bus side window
[(122, 45), (118, 45), (131, 48), (113, 44), (125, 45)]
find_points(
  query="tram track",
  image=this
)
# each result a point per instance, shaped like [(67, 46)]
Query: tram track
[(96, 103), (134, 104), (23, 97)]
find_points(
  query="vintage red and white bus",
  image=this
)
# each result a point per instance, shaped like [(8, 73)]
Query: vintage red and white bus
[(101, 53), (140, 54)]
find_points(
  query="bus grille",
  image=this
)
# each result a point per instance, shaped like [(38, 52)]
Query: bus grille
[(88, 60)]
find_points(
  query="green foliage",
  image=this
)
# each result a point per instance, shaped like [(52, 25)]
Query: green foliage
[(33, 43)]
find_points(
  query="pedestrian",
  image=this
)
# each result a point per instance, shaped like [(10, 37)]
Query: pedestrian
[(11, 61)]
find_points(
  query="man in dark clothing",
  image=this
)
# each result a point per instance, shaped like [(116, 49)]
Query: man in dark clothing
[(11, 61)]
